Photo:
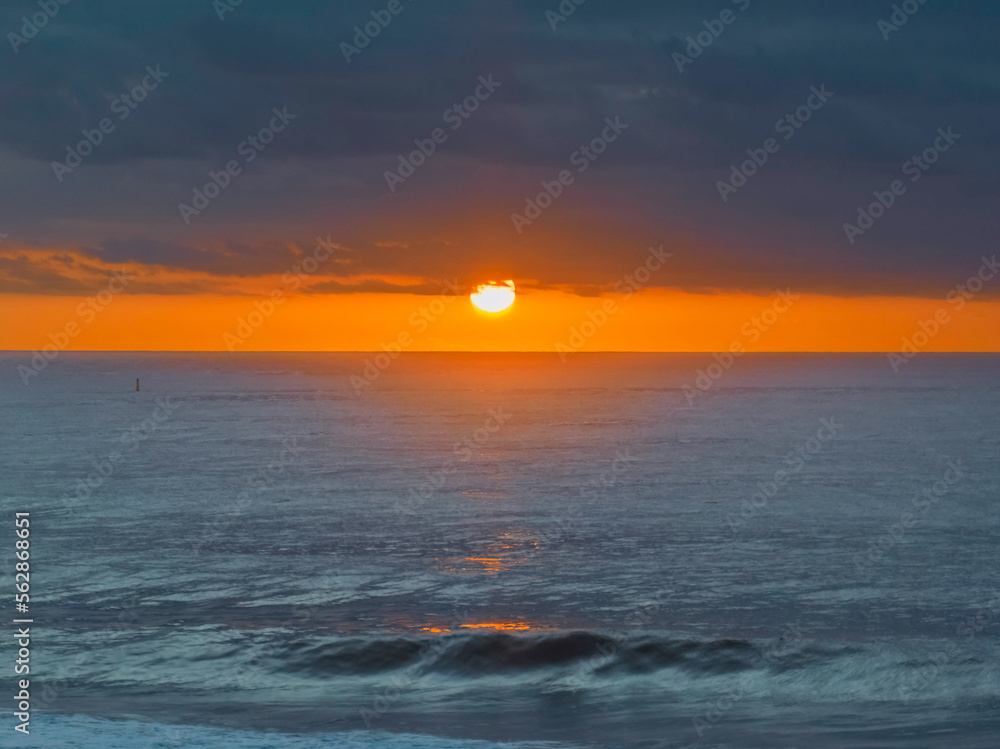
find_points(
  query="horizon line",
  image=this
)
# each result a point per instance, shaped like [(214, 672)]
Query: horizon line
[(471, 351)]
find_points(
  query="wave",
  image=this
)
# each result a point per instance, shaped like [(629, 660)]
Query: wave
[(493, 653)]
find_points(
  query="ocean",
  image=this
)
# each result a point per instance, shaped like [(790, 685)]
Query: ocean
[(483, 550)]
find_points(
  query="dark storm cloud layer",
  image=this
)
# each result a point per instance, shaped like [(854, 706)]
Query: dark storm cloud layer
[(234, 259), (353, 119)]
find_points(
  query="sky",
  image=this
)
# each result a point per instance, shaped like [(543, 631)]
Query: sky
[(198, 175)]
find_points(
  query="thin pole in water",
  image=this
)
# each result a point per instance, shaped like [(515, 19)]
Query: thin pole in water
[(137, 384)]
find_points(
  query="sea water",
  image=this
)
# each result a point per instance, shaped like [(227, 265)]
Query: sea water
[(615, 551)]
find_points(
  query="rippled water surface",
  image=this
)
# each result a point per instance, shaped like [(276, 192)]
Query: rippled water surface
[(505, 548)]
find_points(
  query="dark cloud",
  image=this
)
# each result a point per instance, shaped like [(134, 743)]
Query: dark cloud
[(656, 184), (375, 286), (231, 258), (18, 275)]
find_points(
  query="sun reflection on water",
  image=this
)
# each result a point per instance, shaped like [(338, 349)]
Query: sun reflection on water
[(504, 626)]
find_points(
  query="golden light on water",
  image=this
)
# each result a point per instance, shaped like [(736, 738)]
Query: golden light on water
[(493, 296), (500, 626)]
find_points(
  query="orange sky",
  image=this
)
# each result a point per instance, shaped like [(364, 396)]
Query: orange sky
[(651, 320)]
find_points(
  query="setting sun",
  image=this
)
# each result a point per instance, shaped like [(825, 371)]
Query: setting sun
[(493, 296)]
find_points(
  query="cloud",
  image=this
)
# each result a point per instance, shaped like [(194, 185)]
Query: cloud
[(231, 258), (376, 286), (325, 172), (18, 275)]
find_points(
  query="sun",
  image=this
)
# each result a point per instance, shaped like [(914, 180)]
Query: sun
[(493, 296)]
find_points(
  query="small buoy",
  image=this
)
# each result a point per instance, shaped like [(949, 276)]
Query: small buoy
[(137, 384)]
